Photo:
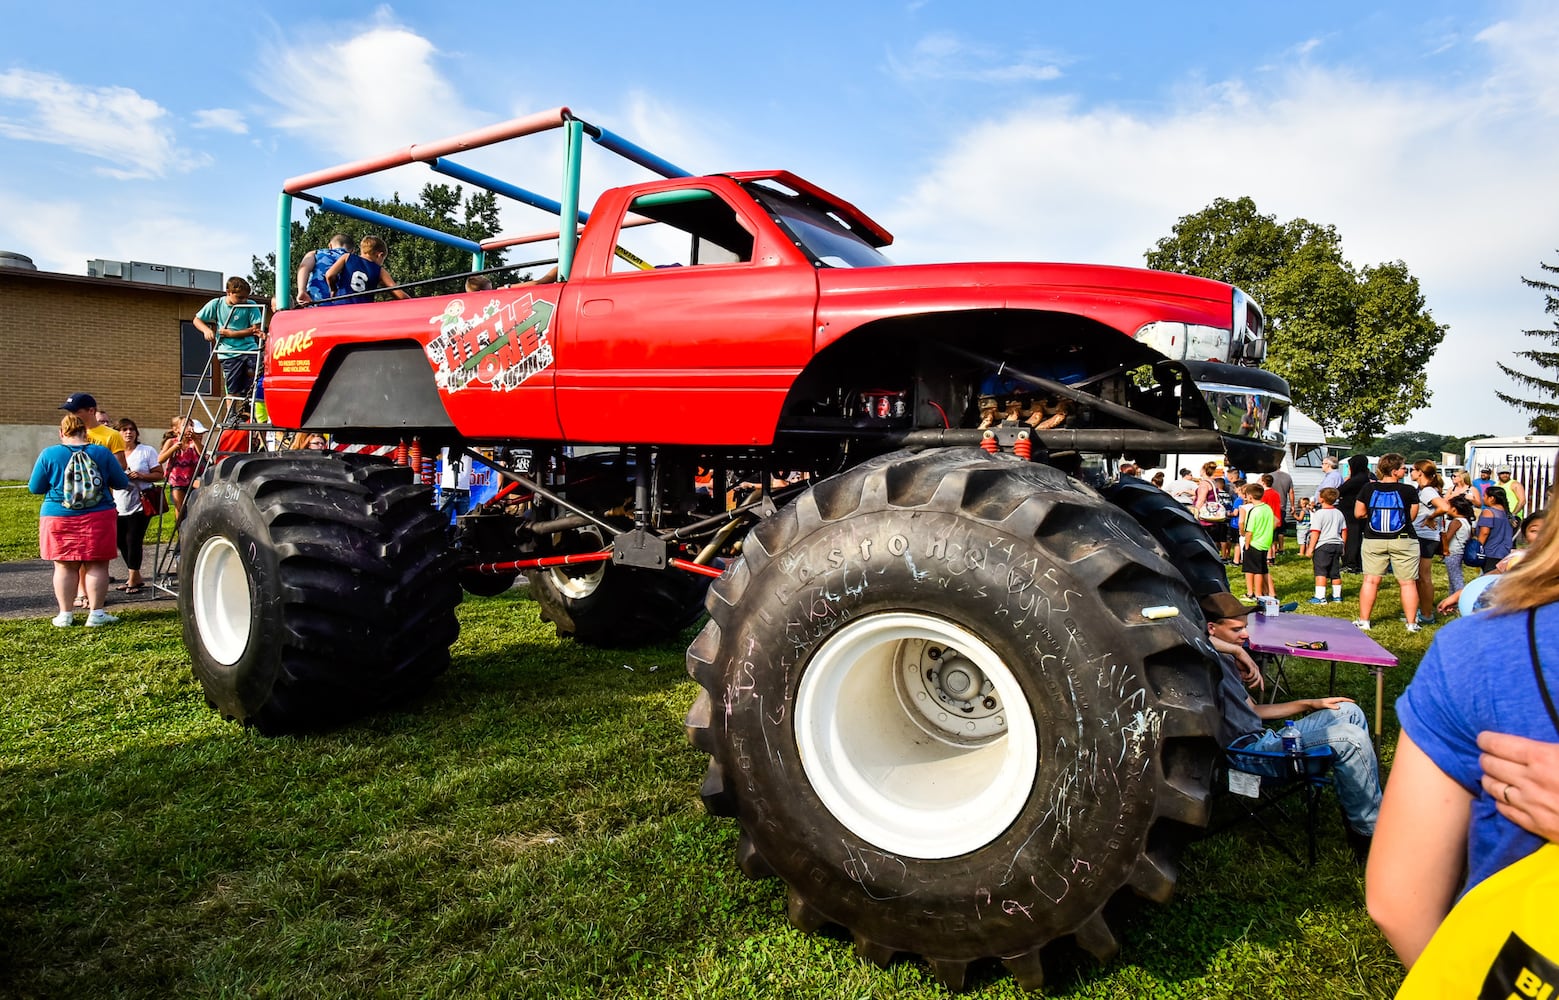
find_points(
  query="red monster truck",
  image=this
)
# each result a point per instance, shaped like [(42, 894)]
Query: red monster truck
[(956, 686)]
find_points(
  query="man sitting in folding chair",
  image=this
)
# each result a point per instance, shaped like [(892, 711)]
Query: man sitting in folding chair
[(1334, 722)]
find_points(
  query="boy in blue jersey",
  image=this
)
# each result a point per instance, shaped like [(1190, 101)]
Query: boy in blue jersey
[(314, 266), (355, 276)]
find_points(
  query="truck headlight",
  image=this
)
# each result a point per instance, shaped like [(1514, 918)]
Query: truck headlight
[(1250, 329), (1185, 341)]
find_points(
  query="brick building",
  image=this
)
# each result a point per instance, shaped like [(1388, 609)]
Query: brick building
[(128, 342)]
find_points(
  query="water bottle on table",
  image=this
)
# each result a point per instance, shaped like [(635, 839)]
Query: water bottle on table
[(1293, 749)]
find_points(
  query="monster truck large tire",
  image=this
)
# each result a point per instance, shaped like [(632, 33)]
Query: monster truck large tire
[(314, 588), (604, 604), (1172, 525), (934, 704)]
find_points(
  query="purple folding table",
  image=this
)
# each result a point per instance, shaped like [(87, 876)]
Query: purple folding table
[(1345, 644)]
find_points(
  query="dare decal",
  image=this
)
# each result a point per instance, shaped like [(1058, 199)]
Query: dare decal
[(284, 351), (500, 347)]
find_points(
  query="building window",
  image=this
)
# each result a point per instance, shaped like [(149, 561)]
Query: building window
[(194, 360)]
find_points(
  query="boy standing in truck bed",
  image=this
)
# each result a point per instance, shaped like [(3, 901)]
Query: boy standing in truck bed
[(361, 272)]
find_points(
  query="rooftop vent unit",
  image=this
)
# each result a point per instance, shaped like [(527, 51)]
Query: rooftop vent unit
[(155, 274)]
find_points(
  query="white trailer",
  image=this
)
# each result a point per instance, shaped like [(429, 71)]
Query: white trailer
[(1306, 448), (1531, 460)]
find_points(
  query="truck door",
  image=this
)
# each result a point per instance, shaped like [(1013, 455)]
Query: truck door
[(690, 328)]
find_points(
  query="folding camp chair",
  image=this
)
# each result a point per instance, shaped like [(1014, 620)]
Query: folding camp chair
[(1260, 782)]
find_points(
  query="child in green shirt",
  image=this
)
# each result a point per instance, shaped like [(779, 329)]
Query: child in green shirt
[(1258, 524)]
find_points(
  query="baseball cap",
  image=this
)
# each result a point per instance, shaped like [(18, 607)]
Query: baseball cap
[(197, 426), (1503, 470), (1223, 605), (79, 401)]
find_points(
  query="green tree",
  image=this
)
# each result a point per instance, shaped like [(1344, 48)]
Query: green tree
[(410, 258), (1544, 407), (1353, 343)]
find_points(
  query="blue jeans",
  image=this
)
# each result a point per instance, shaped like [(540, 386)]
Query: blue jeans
[(1356, 774)]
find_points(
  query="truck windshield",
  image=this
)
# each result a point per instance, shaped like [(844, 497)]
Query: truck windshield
[(825, 239)]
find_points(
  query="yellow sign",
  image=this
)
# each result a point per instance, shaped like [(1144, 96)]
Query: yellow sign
[(293, 343)]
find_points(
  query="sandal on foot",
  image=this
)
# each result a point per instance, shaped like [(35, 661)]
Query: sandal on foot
[(131, 590), (81, 602)]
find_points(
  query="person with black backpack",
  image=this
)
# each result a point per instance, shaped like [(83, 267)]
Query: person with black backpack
[(78, 524), (1387, 508)]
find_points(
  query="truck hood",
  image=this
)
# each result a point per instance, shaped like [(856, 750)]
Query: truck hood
[(1124, 298)]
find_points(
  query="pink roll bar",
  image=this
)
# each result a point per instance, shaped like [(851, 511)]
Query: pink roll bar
[(422, 152)]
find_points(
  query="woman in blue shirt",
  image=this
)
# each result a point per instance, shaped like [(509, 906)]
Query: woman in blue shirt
[(1440, 817), (78, 524)]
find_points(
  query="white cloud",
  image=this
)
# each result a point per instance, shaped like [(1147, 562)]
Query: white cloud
[(372, 92), (224, 119), (62, 234), (1454, 179), (115, 124), (1523, 52), (945, 56)]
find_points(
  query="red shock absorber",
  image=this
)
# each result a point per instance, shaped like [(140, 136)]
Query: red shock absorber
[(414, 455), (400, 453), (988, 442), (1023, 447)]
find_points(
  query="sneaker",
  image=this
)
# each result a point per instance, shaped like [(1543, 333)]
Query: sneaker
[(1411, 626), (101, 617), (1249, 599), (1358, 843), (64, 620), (1289, 607), (1360, 623), (1334, 600), (1425, 621), (1318, 600)]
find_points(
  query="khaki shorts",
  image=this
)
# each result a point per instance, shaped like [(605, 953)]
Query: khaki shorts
[(1400, 553)]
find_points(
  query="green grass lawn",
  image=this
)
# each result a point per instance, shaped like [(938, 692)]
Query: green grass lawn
[(531, 828)]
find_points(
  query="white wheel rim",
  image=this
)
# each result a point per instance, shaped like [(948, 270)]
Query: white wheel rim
[(880, 763), (222, 600), (578, 582)]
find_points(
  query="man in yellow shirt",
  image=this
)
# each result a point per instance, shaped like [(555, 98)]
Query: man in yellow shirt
[(83, 405)]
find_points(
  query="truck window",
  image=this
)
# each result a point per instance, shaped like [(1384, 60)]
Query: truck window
[(821, 235), (689, 227)]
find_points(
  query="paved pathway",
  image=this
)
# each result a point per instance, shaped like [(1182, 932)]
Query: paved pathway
[(27, 589)]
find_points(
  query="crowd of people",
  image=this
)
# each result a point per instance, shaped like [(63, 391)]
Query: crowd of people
[(1474, 784), (1395, 519), (82, 528), (101, 504)]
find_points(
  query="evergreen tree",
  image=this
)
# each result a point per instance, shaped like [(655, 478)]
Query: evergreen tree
[(1544, 408)]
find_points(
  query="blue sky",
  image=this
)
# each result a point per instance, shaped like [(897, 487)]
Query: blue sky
[(1424, 131)]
